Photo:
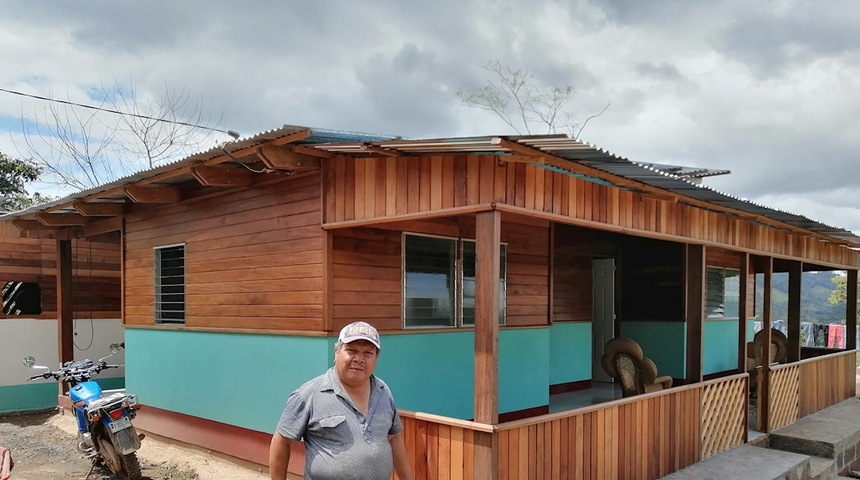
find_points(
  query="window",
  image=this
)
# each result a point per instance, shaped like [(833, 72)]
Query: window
[(439, 282), (722, 293), (22, 298), (170, 284)]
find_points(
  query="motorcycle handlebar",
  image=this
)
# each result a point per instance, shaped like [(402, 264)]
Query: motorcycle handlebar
[(75, 371)]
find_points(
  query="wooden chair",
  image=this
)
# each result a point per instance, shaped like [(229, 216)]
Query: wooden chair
[(623, 360), (755, 353)]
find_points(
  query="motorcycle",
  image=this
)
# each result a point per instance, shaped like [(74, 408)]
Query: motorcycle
[(105, 432)]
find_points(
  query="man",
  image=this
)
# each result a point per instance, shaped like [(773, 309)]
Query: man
[(346, 417)]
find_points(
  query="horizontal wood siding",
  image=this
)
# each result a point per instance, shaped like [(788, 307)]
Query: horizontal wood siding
[(367, 269), (253, 257), (32, 258), (423, 184), (826, 381)]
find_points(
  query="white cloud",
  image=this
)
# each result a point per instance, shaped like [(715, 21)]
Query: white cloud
[(768, 90)]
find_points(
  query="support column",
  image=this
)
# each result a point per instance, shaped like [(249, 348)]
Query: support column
[(795, 270), (764, 375), (487, 268), (694, 273), (743, 311), (851, 310), (65, 321)]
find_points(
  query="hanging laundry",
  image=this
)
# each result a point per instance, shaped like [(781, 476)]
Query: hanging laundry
[(820, 335), (808, 334), (835, 338)]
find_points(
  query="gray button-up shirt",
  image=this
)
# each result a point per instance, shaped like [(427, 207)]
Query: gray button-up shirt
[(341, 443)]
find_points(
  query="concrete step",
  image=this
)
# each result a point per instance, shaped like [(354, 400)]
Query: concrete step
[(832, 433), (747, 461), (822, 468)]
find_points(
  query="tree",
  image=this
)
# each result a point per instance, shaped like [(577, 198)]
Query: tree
[(516, 98), (14, 174), (83, 146), (839, 294)]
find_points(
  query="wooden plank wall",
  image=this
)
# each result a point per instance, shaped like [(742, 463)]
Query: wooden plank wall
[(367, 266), (253, 257), (363, 189), (439, 450), (32, 258), (644, 437), (826, 381)]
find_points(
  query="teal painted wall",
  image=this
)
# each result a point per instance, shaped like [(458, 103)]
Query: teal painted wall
[(720, 350), (244, 379), (663, 342), (238, 379), (431, 372), (32, 396), (434, 372), (570, 352), (750, 329)]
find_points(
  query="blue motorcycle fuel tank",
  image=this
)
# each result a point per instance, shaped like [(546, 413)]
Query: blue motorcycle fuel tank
[(81, 395)]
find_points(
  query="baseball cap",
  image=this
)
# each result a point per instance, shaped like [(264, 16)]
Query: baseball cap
[(359, 331)]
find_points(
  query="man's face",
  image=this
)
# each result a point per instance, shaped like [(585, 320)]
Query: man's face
[(354, 362)]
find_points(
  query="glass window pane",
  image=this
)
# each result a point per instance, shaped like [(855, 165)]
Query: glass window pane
[(722, 293), (429, 281), (468, 307)]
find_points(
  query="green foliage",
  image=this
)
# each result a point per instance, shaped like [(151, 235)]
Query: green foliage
[(820, 301), (14, 174)]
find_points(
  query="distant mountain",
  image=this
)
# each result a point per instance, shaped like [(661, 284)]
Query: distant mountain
[(814, 293)]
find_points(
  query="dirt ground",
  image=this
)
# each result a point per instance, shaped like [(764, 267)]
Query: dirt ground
[(43, 448)]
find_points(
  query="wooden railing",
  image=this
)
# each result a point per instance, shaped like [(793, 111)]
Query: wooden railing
[(783, 406), (801, 388), (642, 437), (826, 381)]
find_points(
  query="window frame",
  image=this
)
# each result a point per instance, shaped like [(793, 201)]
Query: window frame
[(159, 312), (722, 270), (458, 303)]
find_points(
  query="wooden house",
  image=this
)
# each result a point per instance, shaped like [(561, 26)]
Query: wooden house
[(31, 293), (495, 267)]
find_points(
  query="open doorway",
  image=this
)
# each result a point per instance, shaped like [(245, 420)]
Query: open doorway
[(603, 313)]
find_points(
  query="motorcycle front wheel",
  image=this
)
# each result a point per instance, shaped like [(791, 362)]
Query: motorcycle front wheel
[(126, 466)]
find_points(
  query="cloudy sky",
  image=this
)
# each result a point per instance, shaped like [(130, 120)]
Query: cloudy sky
[(769, 90)]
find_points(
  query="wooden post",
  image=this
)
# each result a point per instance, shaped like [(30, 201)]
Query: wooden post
[(764, 375), (795, 276), (743, 312), (487, 267), (65, 322), (851, 310), (694, 272)]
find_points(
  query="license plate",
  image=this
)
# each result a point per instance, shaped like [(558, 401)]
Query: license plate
[(120, 424)]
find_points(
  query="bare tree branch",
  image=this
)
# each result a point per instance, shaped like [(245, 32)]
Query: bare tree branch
[(515, 97), (82, 148)]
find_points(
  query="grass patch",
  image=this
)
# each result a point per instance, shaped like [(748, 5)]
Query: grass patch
[(173, 471)]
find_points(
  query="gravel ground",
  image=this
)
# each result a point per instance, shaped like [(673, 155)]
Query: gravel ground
[(43, 448)]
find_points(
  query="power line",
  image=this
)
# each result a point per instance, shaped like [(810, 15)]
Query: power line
[(232, 133)]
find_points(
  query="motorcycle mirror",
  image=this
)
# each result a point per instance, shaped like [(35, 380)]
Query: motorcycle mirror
[(115, 347), (28, 361)]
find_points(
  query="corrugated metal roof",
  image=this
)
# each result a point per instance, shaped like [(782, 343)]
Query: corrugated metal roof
[(561, 146)]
